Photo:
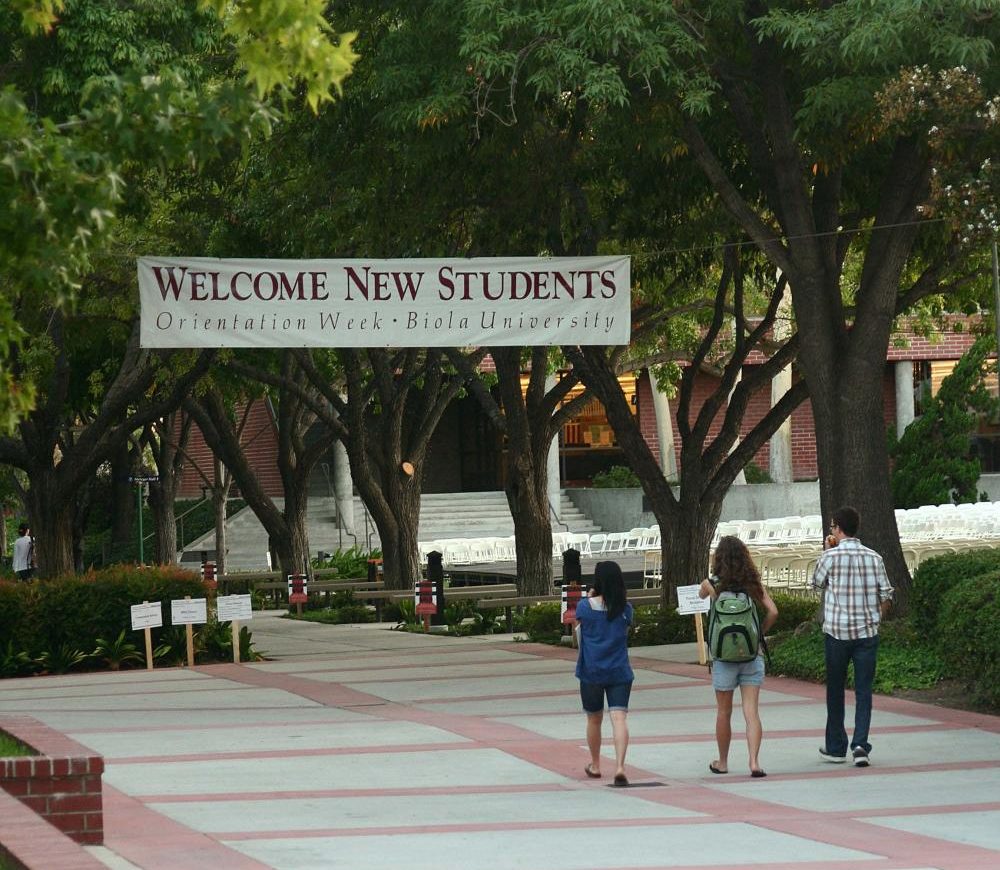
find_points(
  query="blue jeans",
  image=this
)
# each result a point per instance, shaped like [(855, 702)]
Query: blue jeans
[(839, 653)]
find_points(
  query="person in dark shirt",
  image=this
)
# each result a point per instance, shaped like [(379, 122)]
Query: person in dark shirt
[(602, 666)]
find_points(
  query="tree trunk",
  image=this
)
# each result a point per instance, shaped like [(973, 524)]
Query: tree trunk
[(50, 516), (165, 523), (220, 504), (527, 496), (853, 457), (685, 549), (396, 511), (123, 466)]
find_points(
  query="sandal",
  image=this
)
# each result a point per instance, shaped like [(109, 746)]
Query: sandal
[(621, 780), (712, 767), (757, 774), (593, 774)]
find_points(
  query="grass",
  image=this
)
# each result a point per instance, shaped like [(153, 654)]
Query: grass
[(9, 747)]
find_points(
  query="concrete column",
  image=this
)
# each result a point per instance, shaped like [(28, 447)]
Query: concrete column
[(343, 487), (664, 430), (781, 441), (554, 477), (904, 396)]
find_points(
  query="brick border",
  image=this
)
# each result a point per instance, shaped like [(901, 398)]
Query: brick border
[(62, 784)]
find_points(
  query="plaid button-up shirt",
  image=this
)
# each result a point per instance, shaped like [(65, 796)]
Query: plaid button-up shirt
[(856, 583)]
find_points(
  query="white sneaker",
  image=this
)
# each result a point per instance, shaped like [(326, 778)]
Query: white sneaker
[(829, 756), (860, 757)]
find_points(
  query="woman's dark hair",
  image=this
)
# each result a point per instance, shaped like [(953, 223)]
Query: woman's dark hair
[(22, 529), (609, 582), (735, 570)]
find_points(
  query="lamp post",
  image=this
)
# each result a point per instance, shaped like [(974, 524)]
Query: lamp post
[(996, 299)]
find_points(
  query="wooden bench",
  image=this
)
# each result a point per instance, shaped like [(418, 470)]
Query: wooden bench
[(636, 597)]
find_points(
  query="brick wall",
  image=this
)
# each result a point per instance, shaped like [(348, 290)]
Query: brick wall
[(62, 783)]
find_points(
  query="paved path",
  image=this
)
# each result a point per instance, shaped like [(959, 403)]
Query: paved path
[(367, 749)]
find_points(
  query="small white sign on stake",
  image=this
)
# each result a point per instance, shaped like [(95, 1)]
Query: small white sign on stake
[(689, 602), (234, 608), (189, 611), (147, 615)]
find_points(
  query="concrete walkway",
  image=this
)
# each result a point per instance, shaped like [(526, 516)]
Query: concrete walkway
[(366, 749)]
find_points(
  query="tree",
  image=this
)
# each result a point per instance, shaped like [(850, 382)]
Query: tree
[(385, 412), (933, 462), (795, 114), (529, 419), (113, 90), (293, 403), (709, 463)]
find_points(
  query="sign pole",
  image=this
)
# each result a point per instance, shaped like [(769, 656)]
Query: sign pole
[(149, 646), (138, 503), (699, 630), (190, 639), (236, 640)]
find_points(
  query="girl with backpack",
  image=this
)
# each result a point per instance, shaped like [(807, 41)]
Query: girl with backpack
[(602, 666), (734, 576)]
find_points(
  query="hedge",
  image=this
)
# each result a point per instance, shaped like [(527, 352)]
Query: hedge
[(968, 635), (936, 576), (73, 611)]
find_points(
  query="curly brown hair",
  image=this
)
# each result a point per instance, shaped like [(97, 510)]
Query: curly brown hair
[(733, 566)]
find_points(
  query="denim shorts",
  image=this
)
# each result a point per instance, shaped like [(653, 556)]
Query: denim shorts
[(592, 696), (726, 676)]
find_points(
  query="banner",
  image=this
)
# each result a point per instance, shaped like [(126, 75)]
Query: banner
[(204, 302)]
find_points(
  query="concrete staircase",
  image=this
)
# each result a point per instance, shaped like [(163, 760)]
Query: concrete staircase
[(442, 515)]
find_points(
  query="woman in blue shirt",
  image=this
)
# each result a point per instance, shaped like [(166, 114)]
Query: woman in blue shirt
[(602, 667)]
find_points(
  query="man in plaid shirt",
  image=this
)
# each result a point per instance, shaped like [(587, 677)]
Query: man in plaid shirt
[(857, 596)]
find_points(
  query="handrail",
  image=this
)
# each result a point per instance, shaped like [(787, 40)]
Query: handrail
[(552, 511)]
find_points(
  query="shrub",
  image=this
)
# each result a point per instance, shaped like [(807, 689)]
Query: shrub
[(904, 660), (351, 563), (51, 620), (541, 623), (616, 477), (793, 610), (755, 474), (656, 625), (934, 578), (969, 635)]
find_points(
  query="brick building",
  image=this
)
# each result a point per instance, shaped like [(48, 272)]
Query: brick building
[(467, 455)]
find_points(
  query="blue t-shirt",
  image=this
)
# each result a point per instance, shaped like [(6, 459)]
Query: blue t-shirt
[(603, 657)]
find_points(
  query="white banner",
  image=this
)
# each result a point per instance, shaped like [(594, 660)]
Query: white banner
[(205, 302)]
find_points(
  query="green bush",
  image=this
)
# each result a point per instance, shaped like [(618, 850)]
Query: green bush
[(616, 477), (793, 610), (755, 474), (541, 623), (654, 625), (969, 635), (936, 576), (351, 563), (51, 620), (904, 660)]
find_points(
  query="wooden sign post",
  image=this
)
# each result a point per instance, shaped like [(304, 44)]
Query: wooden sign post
[(688, 601), (188, 612), (146, 616), (235, 609)]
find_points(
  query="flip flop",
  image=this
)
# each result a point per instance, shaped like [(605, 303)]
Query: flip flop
[(714, 769), (757, 774), (589, 770), (621, 780)]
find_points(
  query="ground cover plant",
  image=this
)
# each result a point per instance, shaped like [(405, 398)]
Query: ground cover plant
[(11, 747)]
